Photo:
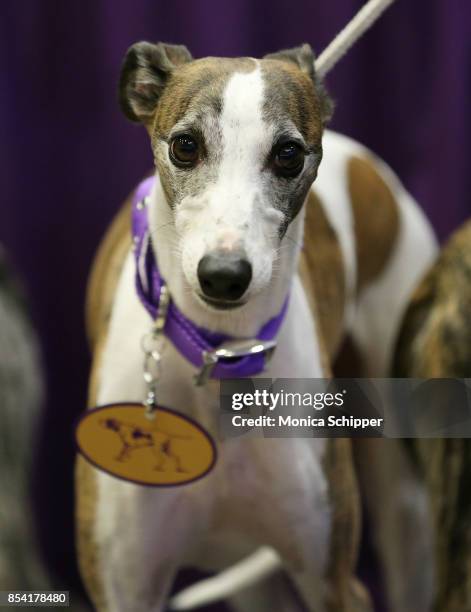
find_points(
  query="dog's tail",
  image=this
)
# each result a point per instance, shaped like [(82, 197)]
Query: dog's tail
[(243, 574)]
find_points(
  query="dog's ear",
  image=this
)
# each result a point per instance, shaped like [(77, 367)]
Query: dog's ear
[(145, 71), (303, 57)]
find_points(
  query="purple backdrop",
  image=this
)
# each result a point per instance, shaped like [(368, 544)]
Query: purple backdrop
[(68, 157)]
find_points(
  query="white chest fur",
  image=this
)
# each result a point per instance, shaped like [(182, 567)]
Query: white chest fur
[(234, 495)]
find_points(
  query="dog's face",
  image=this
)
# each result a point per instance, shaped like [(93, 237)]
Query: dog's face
[(237, 144)]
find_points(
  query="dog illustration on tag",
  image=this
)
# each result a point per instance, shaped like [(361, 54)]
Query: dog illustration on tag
[(154, 439), (170, 450)]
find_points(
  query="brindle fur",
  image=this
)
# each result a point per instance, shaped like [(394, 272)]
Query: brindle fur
[(374, 233), (324, 277), (321, 270), (435, 342)]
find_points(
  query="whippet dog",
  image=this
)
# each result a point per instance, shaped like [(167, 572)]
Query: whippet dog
[(253, 201)]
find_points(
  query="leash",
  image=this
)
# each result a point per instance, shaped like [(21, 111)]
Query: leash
[(347, 37)]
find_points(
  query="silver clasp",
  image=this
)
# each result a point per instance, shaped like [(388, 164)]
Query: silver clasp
[(233, 348)]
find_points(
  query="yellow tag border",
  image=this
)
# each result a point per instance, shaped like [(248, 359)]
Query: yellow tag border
[(103, 408)]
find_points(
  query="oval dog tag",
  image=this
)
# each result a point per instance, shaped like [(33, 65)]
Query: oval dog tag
[(168, 450)]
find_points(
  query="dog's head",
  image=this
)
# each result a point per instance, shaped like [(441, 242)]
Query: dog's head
[(237, 144)]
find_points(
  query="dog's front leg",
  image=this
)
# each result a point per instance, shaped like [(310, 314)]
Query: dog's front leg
[(325, 574), (320, 593), (137, 538), (302, 526)]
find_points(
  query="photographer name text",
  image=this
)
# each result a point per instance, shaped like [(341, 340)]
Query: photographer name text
[(317, 401)]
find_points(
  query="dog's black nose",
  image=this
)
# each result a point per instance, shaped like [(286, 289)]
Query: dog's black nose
[(224, 277)]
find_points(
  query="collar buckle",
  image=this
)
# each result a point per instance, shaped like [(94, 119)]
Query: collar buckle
[(233, 349)]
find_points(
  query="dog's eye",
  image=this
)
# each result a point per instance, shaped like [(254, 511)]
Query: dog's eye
[(289, 159), (184, 151)]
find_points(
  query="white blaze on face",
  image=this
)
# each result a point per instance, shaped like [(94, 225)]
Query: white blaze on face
[(233, 214)]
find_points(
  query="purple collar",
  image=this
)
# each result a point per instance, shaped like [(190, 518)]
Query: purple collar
[(194, 343)]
